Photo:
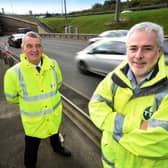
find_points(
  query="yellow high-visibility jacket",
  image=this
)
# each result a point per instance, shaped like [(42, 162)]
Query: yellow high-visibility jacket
[(37, 94), (118, 111)]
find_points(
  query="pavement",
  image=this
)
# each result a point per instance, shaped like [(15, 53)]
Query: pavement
[(84, 153)]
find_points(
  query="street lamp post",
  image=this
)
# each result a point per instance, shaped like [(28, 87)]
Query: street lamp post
[(117, 11), (66, 19)]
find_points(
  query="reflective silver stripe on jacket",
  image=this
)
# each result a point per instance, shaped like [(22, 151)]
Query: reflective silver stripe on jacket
[(56, 78), (21, 79), (101, 99), (118, 125), (39, 97), (10, 96), (158, 123), (111, 164), (158, 98), (38, 113), (114, 89)]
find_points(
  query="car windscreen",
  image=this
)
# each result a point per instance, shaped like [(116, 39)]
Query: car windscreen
[(111, 47), (23, 30)]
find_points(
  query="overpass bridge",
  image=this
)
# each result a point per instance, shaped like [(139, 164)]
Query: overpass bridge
[(9, 24)]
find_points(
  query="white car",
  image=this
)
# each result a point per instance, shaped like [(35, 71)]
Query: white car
[(15, 39), (126, 11), (109, 34), (102, 56)]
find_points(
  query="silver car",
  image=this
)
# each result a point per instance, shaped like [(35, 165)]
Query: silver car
[(102, 56)]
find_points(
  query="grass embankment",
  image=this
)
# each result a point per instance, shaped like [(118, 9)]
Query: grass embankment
[(94, 24)]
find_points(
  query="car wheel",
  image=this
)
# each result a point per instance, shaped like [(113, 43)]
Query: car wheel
[(82, 67)]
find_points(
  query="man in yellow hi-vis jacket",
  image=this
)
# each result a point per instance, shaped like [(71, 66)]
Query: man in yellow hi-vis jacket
[(130, 105), (34, 83)]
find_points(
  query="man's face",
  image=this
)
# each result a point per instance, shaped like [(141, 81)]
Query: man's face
[(142, 53), (33, 49)]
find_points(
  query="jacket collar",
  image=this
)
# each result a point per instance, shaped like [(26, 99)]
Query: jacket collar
[(47, 63), (160, 72)]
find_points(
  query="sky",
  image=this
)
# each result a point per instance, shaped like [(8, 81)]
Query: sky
[(44, 6)]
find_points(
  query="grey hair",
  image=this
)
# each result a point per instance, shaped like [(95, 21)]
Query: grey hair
[(30, 34), (148, 27)]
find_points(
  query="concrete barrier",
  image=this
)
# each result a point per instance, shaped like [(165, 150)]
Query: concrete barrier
[(68, 36)]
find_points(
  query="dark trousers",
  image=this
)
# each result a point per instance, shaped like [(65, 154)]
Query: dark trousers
[(31, 148)]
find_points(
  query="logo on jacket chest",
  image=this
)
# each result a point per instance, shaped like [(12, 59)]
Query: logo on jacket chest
[(147, 113)]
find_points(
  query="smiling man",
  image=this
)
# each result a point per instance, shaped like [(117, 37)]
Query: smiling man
[(34, 84), (130, 105), (143, 52)]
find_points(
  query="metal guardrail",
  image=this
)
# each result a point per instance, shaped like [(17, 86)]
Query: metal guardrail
[(79, 118)]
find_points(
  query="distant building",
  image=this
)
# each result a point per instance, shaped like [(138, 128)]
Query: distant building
[(3, 12)]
